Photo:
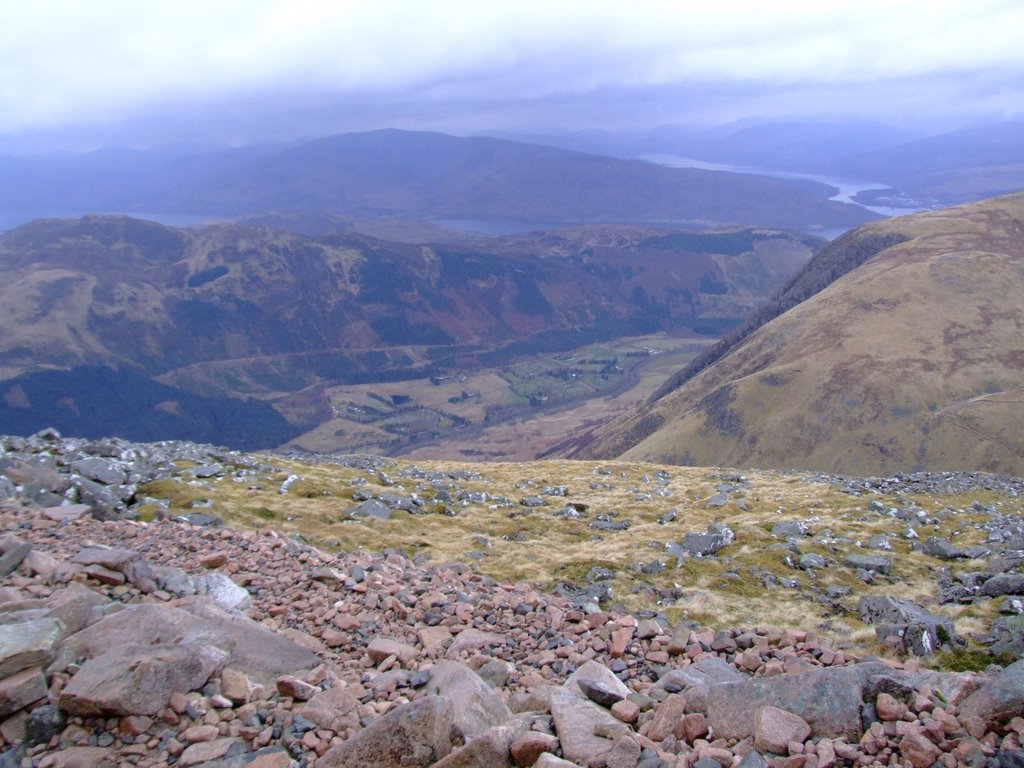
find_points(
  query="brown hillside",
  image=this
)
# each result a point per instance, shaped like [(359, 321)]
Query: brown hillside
[(913, 360), (231, 311)]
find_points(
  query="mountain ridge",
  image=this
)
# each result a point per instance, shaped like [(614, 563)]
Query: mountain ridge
[(422, 175), (831, 385)]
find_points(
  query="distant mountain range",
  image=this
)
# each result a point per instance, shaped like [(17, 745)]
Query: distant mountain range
[(567, 178), (900, 346), (418, 175), (948, 168), (234, 311)]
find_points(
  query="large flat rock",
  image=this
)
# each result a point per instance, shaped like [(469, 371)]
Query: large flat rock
[(261, 654), (139, 680), (828, 699)]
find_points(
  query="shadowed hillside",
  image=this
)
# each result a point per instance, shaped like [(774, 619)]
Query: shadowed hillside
[(402, 173), (912, 360), (255, 312)]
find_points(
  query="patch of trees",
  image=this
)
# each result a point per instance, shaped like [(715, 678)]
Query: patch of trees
[(96, 401), (207, 276)]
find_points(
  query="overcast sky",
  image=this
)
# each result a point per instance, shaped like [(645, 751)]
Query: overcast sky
[(236, 70)]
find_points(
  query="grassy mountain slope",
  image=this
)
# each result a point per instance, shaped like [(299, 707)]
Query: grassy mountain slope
[(912, 360)]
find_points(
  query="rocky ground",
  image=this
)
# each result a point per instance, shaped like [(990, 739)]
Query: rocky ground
[(176, 641)]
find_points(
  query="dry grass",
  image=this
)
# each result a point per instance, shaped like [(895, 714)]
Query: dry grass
[(904, 362), (510, 542)]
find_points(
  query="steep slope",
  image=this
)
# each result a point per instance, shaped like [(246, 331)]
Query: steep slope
[(913, 360), (251, 311)]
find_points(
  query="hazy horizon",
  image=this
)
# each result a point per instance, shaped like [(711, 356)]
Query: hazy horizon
[(80, 75)]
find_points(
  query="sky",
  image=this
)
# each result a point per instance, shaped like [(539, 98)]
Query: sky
[(151, 71)]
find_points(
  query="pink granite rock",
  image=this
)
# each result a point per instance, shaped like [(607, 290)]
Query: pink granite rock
[(775, 728)]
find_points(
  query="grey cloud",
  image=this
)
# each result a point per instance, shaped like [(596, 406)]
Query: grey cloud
[(268, 64)]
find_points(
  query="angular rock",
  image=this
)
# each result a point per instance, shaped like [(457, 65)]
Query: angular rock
[(828, 699), (883, 609), (327, 705), (918, 749), (261, 654), (880, 541), (666, 718), (206, 753), (717, 537), (139, 680), (214, 559), (789, 529), (575, 722), (490, 749), (223, 591), (548, 760), (753, 759), (100, 471), (13, 556), (952, 687), (943, 549), (679, 640), (775, 728), (434, 637), (626, 711), (1007, 635), (496, 672), (74, 606), (293, 687), (599, 693), (812, 561), (625, 752), (235, 686), (916, 630), (47, 567), (199, 519), (999, 699), (647, 629), (332, 577), (43, 723), (21, 689), (478, 707), (920, 639), (1004, 584), (126, 561), (870, 563), (381, 648), (80, 757), (527, 747), (371, 508), (704, 672), (599, 679), (695, 726), (473, 640), (28, 644), (414, 735)]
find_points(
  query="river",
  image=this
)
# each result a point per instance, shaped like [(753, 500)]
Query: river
[(846, 189)]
